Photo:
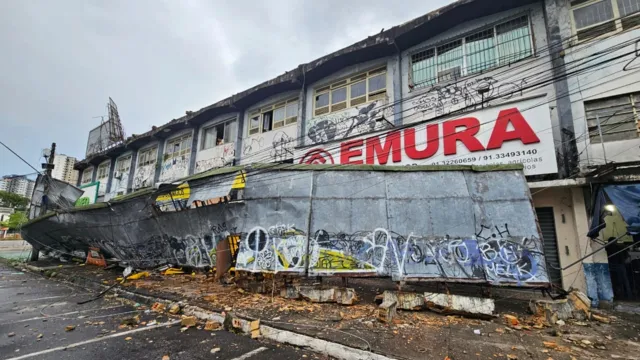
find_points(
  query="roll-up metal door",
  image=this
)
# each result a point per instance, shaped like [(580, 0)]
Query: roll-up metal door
[(550, 244)]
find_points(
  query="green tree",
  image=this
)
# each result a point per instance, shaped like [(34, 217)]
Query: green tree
[(16, 220), (12, 200)]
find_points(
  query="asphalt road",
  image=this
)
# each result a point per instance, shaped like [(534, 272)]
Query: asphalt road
[(34, 312)]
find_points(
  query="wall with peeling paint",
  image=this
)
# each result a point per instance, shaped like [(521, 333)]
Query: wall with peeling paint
[(477, 227)]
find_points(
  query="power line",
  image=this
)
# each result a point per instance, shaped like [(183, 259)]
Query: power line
[(19, 157)]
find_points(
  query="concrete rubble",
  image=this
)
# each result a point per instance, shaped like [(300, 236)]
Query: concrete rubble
[(316, 294), (441, 303), (575, 306)]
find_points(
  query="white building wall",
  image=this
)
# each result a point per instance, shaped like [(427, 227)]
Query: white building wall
[(175, 167), (120, 180), (354, 120), (607, 79), (274, 145), (104, 180), (144, 174), (219, 155)]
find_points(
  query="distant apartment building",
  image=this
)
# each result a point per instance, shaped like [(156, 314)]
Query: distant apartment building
[(63, 168), (17, 184)]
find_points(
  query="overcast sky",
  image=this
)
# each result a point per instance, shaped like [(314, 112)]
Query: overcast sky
[(61, 60)]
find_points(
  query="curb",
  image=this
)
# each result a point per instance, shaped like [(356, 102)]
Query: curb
[(332, 349)]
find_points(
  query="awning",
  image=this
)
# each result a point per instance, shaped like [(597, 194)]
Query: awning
[(626, 199), (217, 187)]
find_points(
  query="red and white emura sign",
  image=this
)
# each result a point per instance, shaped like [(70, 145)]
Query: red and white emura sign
[(513, 133)]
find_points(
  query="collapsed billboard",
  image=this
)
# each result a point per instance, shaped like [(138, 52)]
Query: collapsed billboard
[(456, 223)]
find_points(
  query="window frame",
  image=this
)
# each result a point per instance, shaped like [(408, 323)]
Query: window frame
[(222, 123), (142, 154), (464, 68), (120, 160), (178, 140), (617, 20), (594, 132), (347, 84), (261, 111), (90, 177), (107, 166)]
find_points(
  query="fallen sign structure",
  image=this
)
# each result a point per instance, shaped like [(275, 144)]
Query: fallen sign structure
[(418, 223)]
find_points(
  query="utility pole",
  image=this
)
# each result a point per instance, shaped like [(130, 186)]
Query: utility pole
[(48, 167)]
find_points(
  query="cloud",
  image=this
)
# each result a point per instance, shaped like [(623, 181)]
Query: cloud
[(62, 60)]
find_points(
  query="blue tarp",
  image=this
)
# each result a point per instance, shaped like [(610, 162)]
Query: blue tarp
[(626, 199)]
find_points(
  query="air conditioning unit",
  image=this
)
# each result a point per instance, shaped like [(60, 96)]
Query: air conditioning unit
[(117, 175)]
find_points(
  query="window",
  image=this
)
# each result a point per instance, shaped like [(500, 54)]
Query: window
[(272, 117), (222, 133), (148, 156), (618, 118), (177, 147), (87, 174), (499, 45), (123, 164), (350, 92), (103, 171), (592, 18)]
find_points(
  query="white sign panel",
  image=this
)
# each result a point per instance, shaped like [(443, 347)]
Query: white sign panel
[(511, 133)]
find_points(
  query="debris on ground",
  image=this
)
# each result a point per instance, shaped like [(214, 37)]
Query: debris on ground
[(69, 328), (212, 325), (128, 338), (174, 309), (511, 320), (215, 350), (189, 321), (166, 357), (158, 307), (11, 334), (130, 321)]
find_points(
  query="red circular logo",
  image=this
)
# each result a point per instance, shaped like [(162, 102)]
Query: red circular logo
[(317, 156)]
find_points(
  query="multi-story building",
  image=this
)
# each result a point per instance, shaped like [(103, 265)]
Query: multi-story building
[(4, 184), (63, 168), (551, 84), (18, 184)]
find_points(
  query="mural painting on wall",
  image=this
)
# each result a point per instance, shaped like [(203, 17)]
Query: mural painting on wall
[(492, 254), (271, 146), (514, 133), (352, 121), (90, 195), (144, 176), (175, 168), (471, 94), (118, 187), (218, 156)]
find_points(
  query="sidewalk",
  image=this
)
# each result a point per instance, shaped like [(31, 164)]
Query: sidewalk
[(412, 335)]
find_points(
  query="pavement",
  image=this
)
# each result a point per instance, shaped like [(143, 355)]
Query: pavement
[(411, 334), (35, 312)]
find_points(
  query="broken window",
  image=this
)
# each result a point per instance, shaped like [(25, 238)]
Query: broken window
[(503, 44), (346, 93), (617, 116)]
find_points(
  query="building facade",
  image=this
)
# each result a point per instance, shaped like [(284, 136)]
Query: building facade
[(64, 168), (551, 84), (18, 184)]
